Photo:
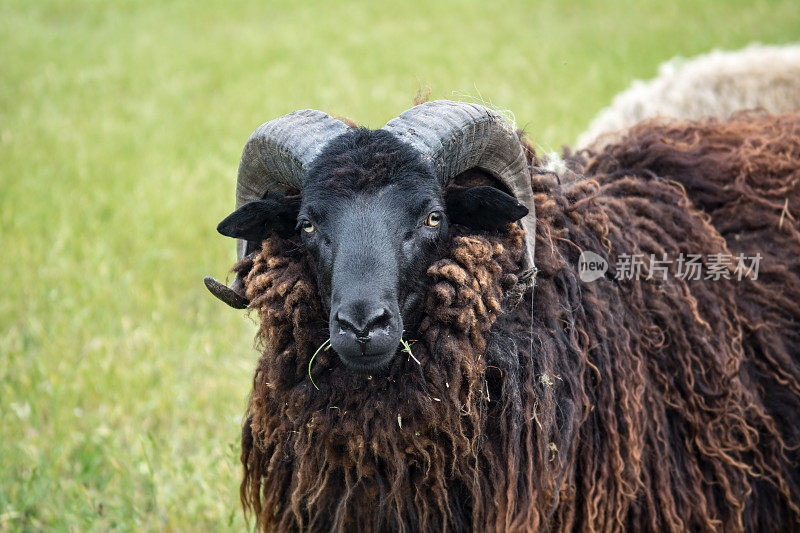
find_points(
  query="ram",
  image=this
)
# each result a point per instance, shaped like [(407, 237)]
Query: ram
[(433, 358)]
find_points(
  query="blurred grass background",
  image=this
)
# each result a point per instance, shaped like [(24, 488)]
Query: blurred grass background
[(122, 381)]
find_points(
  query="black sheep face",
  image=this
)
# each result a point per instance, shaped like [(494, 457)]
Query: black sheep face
[(373, 216)]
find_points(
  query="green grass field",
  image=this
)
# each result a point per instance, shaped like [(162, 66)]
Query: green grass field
[(122, 381)]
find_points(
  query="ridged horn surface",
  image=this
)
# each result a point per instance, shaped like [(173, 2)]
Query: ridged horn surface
[(277, 152), (458, 136)]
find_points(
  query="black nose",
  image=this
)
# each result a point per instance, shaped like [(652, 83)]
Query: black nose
[(361, 320), (365, 334)]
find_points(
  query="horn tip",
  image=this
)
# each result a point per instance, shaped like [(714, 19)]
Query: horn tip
[(225, 293)]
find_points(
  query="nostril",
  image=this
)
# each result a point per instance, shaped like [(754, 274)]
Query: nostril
[(363, 326), (379, 319), (344, 321)]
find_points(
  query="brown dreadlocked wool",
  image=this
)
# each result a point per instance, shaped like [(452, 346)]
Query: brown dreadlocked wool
[(620, 404)]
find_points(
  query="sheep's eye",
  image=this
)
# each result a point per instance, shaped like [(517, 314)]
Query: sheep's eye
[(434, 219), (307, 226)]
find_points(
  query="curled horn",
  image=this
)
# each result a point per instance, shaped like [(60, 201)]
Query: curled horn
[(458, 136), (273, 160)]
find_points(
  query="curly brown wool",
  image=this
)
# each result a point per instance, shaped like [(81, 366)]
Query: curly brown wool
[(636, 405)]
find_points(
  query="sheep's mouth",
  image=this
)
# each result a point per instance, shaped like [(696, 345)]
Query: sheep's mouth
[(369, 364)]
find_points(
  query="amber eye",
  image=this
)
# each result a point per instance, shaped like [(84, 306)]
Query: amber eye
[(434, 219), (307, 226)]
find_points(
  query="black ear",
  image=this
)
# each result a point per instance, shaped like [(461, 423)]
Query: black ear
[(254, 221), (482, 207)]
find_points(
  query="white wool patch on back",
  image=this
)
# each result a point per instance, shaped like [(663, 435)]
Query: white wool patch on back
[(716, 84)]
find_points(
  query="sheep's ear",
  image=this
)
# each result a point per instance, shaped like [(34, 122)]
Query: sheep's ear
[(482, 207), (254, 221)]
